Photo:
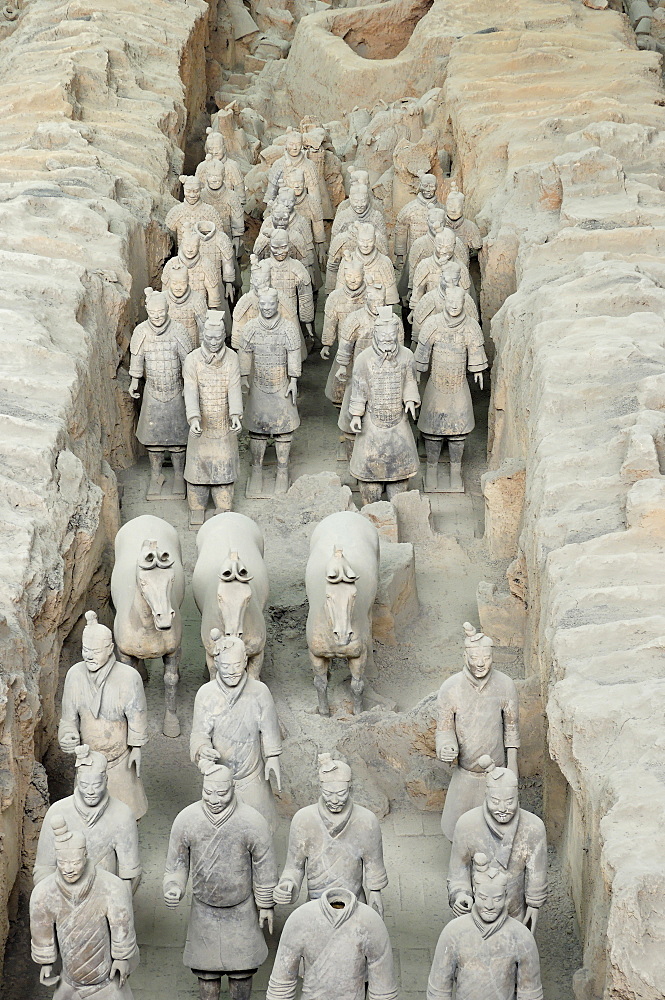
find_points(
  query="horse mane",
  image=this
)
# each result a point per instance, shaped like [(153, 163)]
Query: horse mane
[(338, 569)]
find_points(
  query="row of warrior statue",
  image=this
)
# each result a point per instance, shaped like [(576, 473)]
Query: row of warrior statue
[(88, 865), (192, 401)]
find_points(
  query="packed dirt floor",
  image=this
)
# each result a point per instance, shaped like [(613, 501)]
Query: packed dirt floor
[(429, 649)]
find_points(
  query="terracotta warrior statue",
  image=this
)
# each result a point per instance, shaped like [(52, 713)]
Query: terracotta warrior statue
[(82, 915), (108, 825), (450, 343), (226, 203), (235, 721), (339, 304), (220, 251), (411, 222), (328, 166), (291, 277), (384, 393), (281, 217), (295, 158), (435, 301), (336, 842), (513, 839), (158, 349), (184, 216), (344, 243), (213, 403), (359, 209), (271, 354), (467, 231), (226, 848), (341, 949), (308, 207), (104, 706), (477, 716), (377, 266), (247, 306), (203, 275), (428, 273), (187, 308), (486, 953), (215, 149), (424, 246), (301, 224)]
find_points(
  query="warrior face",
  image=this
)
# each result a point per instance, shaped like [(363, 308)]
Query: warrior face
[(385, 337), (428, 187), (444, 244), (280, 217), (455, 205), (376, 297), (287, 196), (359, 200), (71, 862), (293, 144), (96, 653), (268, 303), (260, 279), (489, 899), (179, 283), (189, 245), (216, 146), (455, 296), (354, 278), (231, 664), (335, 794), (297, 182), (452, 275), (479, 660), (215, 177), (214, 336), (502, 800), (436, 220), (91, 784), (217, 793), (366, 240), (192, 191), (279, 246)]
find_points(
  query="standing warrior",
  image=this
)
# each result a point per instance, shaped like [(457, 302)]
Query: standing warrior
[(271, 354), (377, 266), (187, 308), (227, 849), (226, 204), (291, 277), (204, 277), (359, 209), (108, 825), (213, 403), (187, 213), (424, 246), (339, 304), (466, 231), (327, 164), (340, 947), (513, 839), (247, 306), (220, 251), (281, 218), (235, 721), (337, 842), (301, 224), (344, 244), (295, 158), (411, 222), (435, 301), (427, 275), (308, 207), (452, 343), (478, 716), (215, 148), (486, 953), (104, 706), (384, 392), (158, 349), (83, 915)]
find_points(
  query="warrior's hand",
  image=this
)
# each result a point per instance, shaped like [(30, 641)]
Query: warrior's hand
[(283, 892), (531, 918), (418, 376), (340, 374), (376, 902), (325, 353), (121, 967), (266, 917), (244, 383), (208, 752), (309, 327), (478, 379), (272, 767), (229, 291), (69, 741), (134, 388), (135, 759), (45, 976), (236, 424), (321, 254), (410, 318), (237, 245), (292, 390), (356, 425), (462, 904), (410, 408), (195, 427), (448, 753), (172, 895)]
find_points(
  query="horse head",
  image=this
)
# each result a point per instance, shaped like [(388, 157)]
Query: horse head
[(155, 575), (233, 594), (341, 594)]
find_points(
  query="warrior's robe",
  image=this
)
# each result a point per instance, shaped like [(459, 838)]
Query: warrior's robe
[(159, 354), (271, 354), (355, 334), (212, 396)]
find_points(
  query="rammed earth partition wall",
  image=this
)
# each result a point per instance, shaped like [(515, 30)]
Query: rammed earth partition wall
[(94, 100)]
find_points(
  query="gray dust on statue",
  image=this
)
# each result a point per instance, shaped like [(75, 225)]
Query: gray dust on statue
[(512, 838), (335, 842), (271, 354), (104, 706), (83, 916), (235, 721), (108, 825), (226, 847), (486, 953), (213, 403), (477, 716), (384, 393), (158, 349), (450, 342)]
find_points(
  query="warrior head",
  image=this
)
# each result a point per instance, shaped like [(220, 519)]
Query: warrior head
[(91, 780), (178, 279), (354, 275), (444, 245), (489, 889), (359, 198), (376, 297), (279, 245), (477, 652), (501, 790), (436, 220), (157, 308), (215, 145), (366, 238), (218, 789), (214, 331), (280, 215), (71, 853), (268, 303), (97, 642), (230, 657), (295, 180), (190, 244), (287, 196), (427, 187), (455, 205), (259, 274), (293, 144), (215, 175), (335, 782), (385, 332), (191, 189), (454, 297), (450, 275)]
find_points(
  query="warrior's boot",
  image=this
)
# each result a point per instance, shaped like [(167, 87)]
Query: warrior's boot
[(156, 478), (209, 989), (369, 492), (257, 448), (240, 989), (222, 497), (197, 498), (455, 451), (282, 449), (399, 486), (178, 459), (433, 452)]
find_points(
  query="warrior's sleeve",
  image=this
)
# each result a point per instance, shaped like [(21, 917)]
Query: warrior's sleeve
[(191, 389), (202, 726), (329, 332), (234, 390), (69, 714), (271, 737), (473, 238), (423, 351), (475, 345), (212, 285), (238, 327), (335, 253), (126, 843), (45, 860), (228, 257), (381, 242), (120, 915), (237, 215), (392, 295), (284, 975), (176, 871), (376, 877), (415, 257), (359, 390), (410, 393), (381, 982), (136, 712), (137, 356), (444, 967), (535, 876), (172, 217), (264, 863), (296, 856), (419, 281), (511, 718), (529, 986), (274, 179), (338, 222), (401, 231), (233, 175), (261, 245), (459, 866), (305, 296), (421, 312), (465, 277), (200, 311), (348, 334), (445, 721), (43, 942)]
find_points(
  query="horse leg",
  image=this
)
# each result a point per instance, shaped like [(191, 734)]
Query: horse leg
[(171, 725), (135, 662), (320, 666), (357, 668), (254, 664)]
